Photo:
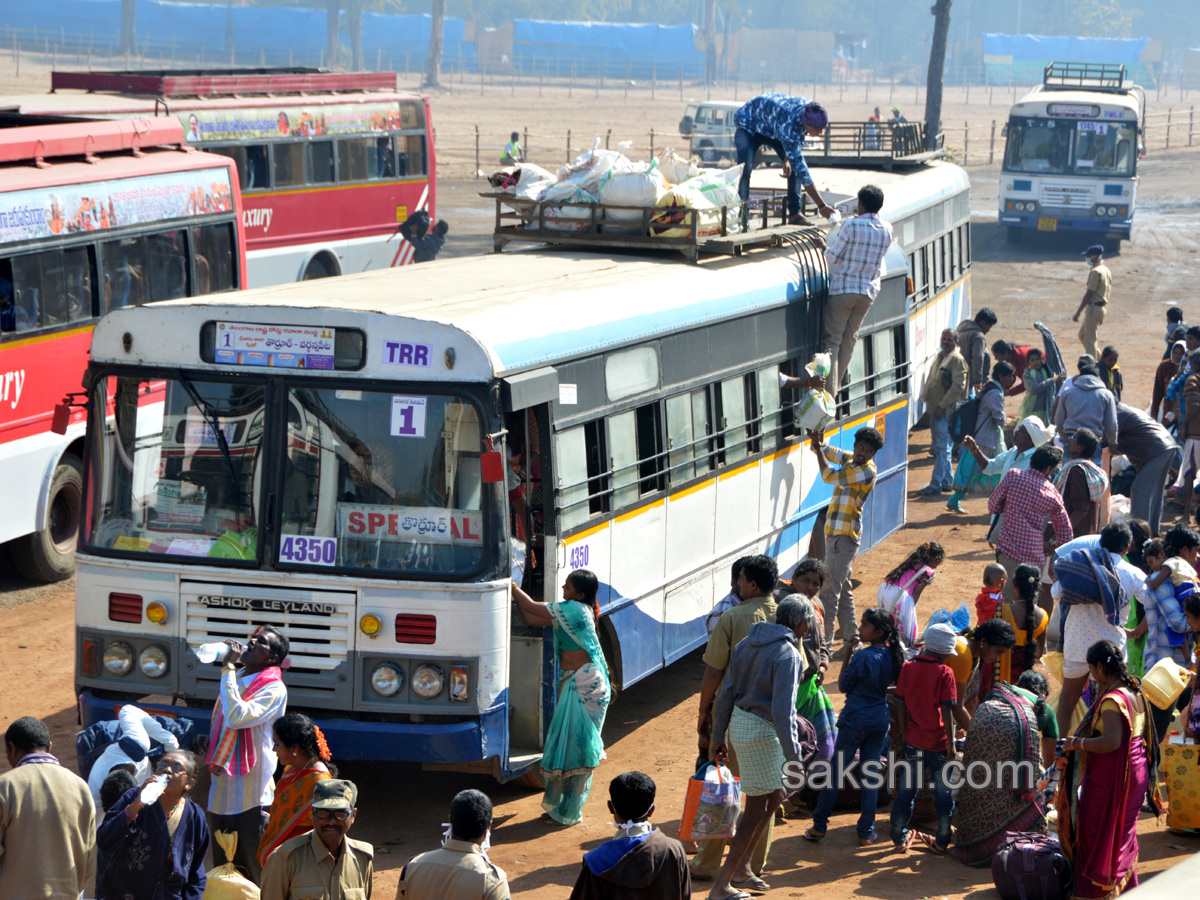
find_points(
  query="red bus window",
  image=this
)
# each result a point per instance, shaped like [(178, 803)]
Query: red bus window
[(412, 155), (412, 115), (215, 266)]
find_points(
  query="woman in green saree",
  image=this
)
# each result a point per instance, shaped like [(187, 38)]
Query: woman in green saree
[(573, 744)]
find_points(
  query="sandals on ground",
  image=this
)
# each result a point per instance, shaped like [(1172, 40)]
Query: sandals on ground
[(813, 835), (753, 883), (932, 845)]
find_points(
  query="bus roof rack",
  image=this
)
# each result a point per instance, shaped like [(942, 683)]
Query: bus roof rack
[(600, 225), (1066, 76), (220, 82), (44, 137), (872, 145)]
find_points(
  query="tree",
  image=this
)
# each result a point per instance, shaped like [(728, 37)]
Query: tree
[(332, 10), (710, 41), (937, 66), (432, 77), (128, 40)]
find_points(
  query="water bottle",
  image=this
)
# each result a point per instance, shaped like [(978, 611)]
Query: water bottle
[(835, 225), (152, 791), (212, 651)]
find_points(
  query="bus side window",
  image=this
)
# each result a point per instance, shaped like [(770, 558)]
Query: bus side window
[(412, 155), (731, 417), (381, 160), (258, 168), (859, 385), (581, 473), (27, 286), (166, 256), (884, 367), (120, 274), (770, 408), (214, 258), (289, 163), (412, 115), (8, 305), (352, 159), (622, 444), (966, 245), (67, 284), (651, 459), (320, 162)]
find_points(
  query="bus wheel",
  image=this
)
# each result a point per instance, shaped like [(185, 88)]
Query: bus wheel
[(319, 267), (49, 555), (1015, 234), (1112, 246), (532, 778)]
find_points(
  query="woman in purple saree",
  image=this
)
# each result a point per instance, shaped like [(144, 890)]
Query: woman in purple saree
[(1112, 765)]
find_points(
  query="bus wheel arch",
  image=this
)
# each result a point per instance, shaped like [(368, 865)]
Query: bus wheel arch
[(48, 554), (533, 778), (322, 265)]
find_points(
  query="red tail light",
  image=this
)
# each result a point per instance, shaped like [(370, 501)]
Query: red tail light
[(125, 608), (90, 664), (412, 629)]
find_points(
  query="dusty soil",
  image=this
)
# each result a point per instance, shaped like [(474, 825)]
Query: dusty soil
[(650, 727)]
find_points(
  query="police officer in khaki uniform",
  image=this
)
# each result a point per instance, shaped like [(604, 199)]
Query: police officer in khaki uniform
[(324, 863), (1095, 300), (461, 869)]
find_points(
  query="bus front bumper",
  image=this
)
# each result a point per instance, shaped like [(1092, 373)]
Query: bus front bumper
[(427, 742), (1051, 224)]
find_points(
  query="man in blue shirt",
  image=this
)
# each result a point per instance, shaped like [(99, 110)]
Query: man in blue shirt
[(782, 123)]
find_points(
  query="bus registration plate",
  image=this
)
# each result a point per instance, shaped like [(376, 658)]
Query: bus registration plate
[(1047, 223)]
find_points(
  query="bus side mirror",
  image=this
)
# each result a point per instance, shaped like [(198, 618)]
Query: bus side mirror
[(491, 465), (62, 418)]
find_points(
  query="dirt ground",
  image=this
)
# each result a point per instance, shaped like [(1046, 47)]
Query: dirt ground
[(651, 726)]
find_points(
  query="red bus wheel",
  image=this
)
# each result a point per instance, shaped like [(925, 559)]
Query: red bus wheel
[(49, 555)]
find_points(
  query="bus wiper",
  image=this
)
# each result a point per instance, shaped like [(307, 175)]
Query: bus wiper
[(214, 422)]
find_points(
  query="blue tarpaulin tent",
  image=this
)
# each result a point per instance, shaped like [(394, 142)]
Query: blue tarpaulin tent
[(616, 48), (405, 40), (1021, 58)]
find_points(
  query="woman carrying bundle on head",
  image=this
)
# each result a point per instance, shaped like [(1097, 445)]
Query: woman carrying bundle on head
[(304, 755), (1112, 765), (902, 588)]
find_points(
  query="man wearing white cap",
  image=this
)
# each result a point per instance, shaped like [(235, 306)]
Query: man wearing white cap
[(927, 692)]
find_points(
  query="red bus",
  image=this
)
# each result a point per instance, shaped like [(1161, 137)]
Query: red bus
[(330, 163), (94, 215)]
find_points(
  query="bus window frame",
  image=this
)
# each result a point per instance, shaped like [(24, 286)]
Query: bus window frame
[(97, 424)]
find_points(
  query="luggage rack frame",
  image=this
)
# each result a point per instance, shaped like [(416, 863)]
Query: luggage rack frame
[(1066, 76), (525, 221)]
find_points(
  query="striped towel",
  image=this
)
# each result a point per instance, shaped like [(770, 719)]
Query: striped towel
[(231, 750)]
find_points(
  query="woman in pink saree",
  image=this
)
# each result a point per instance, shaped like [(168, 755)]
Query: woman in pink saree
[(1112, 765)]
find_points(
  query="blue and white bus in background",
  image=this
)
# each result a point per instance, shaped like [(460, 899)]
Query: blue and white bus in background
[(1070, 161), (357, 459)]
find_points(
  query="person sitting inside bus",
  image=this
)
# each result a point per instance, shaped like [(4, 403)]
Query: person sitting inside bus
[(782, 123)]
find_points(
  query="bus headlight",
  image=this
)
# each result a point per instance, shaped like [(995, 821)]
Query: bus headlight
[(1100, 210), (153, 661), (1112, 210), (459, 683), (387, 679), (427, 681), (118, 658)]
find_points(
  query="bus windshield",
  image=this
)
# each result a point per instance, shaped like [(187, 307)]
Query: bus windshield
[(1038, 146), (175, 474), (382, 480), (1055, 147), (367, 480)]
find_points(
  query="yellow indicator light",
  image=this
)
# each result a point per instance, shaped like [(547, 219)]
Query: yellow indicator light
[(370, 625), (157, 613)]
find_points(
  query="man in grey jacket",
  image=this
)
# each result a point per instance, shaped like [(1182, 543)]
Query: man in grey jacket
[(1151, 450), (972, 341), (1087, 403), (757, 707)]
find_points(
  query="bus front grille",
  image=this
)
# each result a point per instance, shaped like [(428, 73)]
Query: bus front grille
[(1066, 196), (318, 626)]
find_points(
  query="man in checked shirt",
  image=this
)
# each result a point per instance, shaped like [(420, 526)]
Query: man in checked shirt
[(843, 523), (855, 257)]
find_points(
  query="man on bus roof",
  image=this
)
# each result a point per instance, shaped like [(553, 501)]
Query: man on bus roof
[(783, 123)]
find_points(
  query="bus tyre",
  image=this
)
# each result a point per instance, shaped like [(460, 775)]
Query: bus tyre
[(532, 778), (49, 555), (1015, 234), (319, 266)]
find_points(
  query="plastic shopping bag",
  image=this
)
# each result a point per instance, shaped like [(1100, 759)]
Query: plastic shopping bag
[(225, 882), (710, 809)]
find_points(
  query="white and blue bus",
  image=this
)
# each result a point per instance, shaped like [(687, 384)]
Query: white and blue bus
[(1070, 159), (357, 459)]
